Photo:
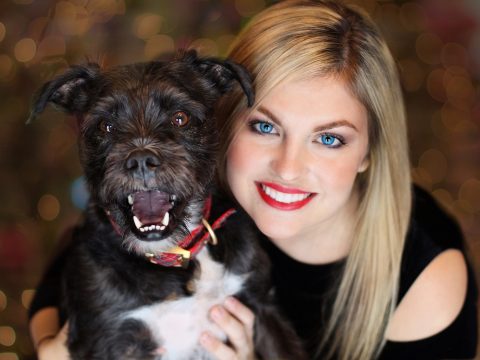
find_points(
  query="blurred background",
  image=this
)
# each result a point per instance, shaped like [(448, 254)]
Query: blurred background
[(436, 43)]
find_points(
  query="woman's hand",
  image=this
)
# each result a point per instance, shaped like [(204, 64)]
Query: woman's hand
[(237, 321), (54, 347)]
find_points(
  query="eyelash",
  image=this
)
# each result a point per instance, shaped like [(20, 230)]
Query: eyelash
[(254, 127), (340, 139)]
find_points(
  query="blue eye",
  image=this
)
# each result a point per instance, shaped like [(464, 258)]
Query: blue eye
[(331, 141), (263, 127)]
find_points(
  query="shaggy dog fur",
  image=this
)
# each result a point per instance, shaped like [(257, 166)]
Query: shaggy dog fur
[(148, 148)]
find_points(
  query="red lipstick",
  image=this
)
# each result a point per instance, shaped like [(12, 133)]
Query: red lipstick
[(282, 205)]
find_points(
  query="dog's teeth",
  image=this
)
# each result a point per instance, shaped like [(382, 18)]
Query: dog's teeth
[(166, 219), (173, 197), (130, 199), (162, 227), (137, 222), (142, 229), (157, 227)]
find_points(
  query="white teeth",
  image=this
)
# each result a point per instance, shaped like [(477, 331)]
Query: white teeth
[(166, 219), (283, 197), (137, 222), (139, 225), (130, 199)]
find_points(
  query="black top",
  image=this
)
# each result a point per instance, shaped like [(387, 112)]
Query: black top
[(304, 291)]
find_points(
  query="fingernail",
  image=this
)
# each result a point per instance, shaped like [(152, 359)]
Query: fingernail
[(230, 301), (205, 339), (217, 313)]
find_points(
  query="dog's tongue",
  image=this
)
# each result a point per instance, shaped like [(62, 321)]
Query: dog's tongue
[(150, 206)]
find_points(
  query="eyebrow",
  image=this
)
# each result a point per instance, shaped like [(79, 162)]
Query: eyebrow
[(330, 125)]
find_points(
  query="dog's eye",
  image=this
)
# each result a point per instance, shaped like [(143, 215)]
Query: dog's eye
[(180, 119), (106, 126)]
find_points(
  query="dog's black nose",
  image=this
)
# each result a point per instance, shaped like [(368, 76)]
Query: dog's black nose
[(142, 163)]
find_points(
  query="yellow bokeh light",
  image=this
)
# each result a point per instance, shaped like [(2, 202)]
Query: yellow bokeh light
[(27, 296), (147, 25), (7, 336), (454, 54), (48, 207), (8, 356), (72, 19), (3, 301), (451, 116), (443, 197), (436, 85), (422, 177), (3, 31), (460, 91), (205, 47), (25, 50), (469, 194)]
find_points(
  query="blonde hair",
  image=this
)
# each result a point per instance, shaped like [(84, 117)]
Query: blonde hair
[(302, 39)]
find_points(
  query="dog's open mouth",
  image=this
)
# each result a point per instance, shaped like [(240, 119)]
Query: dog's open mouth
[(151, 211)]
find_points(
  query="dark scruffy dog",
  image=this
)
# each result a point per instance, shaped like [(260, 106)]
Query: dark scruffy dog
[(143, 268)]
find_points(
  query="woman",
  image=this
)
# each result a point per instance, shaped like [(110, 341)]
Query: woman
[(329, 131), (321, 165)]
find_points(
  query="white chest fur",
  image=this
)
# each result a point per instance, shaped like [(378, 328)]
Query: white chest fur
[(177, 324)]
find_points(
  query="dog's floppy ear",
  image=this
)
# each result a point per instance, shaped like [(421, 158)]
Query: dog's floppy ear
[(223, 73), (70, 92)]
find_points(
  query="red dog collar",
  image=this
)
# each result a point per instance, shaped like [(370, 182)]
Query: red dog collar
[(192, 244)]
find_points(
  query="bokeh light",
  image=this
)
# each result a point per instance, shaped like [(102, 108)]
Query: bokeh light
[(8, 356), (469, 193), (48, 207), (7, 336), (79, 193), (27, 296), (147, 25), (437, 52), (3, 301), (3, 31), (25, 50), (206, 47)]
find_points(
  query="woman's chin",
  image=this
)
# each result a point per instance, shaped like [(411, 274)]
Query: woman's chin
[(277, 230)]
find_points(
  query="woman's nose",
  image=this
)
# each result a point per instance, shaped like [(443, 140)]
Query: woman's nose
[(289, 161)]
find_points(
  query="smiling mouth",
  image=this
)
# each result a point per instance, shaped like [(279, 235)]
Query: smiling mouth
[(283, 198)]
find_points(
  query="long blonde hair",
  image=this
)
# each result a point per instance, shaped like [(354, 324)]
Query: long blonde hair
[(300, 39)]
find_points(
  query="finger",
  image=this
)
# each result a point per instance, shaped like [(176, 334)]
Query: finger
[(217, 348), (241, 312), (234, 329)]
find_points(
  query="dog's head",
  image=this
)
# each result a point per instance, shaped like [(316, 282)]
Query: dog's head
[(147, 139)]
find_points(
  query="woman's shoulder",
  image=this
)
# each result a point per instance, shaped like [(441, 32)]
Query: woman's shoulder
[(437, 292)]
